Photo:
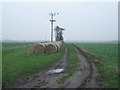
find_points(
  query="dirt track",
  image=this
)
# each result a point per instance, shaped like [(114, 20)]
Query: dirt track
[(85, 76), (89, 75), (42, 79)]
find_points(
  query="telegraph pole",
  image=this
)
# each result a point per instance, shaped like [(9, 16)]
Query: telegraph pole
[(52, 14)]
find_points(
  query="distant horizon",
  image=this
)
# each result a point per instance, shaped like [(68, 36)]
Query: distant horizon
[(8, 40)]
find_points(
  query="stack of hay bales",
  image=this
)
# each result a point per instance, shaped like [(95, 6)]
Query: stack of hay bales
[(48, 47), (53, 47)]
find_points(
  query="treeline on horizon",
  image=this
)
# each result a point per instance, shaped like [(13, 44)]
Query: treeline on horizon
[(67, 41)]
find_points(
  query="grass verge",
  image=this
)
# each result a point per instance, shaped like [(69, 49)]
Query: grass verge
[(17, 63), (72, 61)]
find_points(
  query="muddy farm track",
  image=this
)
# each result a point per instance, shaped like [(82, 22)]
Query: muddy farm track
[(85, 76), (90, 78)]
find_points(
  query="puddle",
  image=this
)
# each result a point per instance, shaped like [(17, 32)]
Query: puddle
[(55, 71)]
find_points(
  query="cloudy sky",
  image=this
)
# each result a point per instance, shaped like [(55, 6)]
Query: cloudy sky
[(83, 21)]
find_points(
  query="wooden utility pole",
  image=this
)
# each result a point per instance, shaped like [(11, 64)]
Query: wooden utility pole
[(52, 14)]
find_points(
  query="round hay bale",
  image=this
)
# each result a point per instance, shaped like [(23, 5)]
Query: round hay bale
[(40, 48), (58, 44), (51, 48)]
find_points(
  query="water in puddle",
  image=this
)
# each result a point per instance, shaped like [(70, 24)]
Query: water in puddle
[(56, 71)]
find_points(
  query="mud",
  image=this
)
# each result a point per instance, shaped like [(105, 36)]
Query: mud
[(43, 79), (86, 75), (89, 77)]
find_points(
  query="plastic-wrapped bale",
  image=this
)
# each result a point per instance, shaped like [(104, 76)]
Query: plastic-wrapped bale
[(58, 44), (40, 48), (53, 47)]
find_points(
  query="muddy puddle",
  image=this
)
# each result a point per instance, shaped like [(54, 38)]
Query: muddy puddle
[(56, 71)]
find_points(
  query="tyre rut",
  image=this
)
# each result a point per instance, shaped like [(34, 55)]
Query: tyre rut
[(89, 75)]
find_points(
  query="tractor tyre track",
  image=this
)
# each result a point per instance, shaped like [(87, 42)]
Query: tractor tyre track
[(86, 75), (43, 79), (89, 75)]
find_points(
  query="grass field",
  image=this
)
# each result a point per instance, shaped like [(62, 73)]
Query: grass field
[(17, 63), (108, 56)]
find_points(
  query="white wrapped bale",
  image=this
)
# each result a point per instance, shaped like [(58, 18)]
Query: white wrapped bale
[(58, 44), (53, 47)]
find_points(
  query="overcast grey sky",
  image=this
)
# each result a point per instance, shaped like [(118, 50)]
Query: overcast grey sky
[(84, 21)]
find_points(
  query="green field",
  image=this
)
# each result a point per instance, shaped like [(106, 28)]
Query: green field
[(18, 63), (107, 53)]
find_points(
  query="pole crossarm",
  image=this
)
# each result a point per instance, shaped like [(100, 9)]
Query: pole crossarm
[(53, 20)]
